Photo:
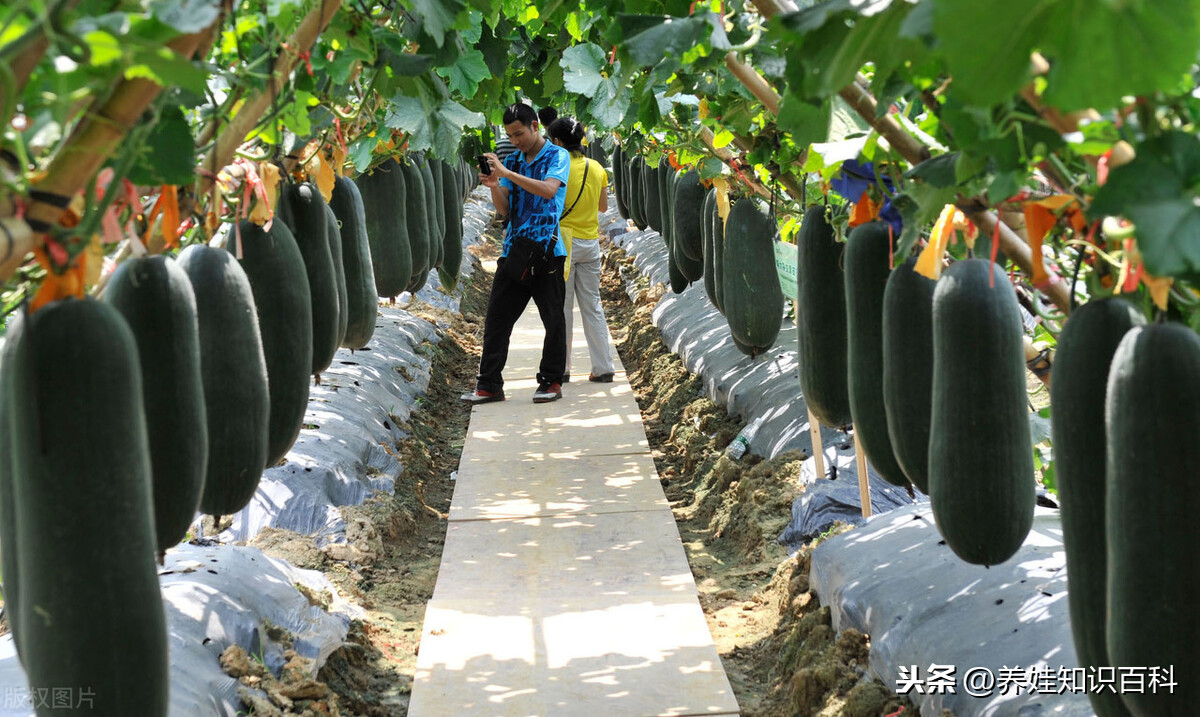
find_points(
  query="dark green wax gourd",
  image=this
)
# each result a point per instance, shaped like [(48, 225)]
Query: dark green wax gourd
[(625, 190), (620, 182), (908, 370), (679, 282), (821, 320), (706, 232), (91, 612), (753, 297), (1152, 421), (361, 298), (284, 304), (339, 272), (1086, 346), (666, 199), (9, 387), (637, 206), (155, 297), (233, 369), (653, 198), (417, 217), (867, 265), (452, 250), (688, 214), (309, 227), (433, 203), (981, 483), (384, 210), (439, 168), (718, 242), (691, 269)]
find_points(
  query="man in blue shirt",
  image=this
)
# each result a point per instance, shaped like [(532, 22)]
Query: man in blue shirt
[(530, 185)]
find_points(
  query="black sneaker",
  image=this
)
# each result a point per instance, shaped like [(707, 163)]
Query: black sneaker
[(481, 396), (547, 392)]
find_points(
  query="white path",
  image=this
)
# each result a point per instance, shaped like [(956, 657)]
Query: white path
[(564, 588)]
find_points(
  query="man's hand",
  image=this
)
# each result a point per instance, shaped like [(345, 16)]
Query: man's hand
[(492, 180)]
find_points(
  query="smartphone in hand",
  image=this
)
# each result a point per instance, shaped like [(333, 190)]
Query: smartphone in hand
[(485, 167)]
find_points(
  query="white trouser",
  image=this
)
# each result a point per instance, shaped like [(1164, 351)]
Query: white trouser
[(584, 280)]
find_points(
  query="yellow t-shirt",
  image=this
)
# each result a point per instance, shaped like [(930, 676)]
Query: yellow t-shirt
[(583, 222)]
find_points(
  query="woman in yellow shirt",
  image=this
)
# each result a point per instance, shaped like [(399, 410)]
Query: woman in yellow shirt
[(587, 195)]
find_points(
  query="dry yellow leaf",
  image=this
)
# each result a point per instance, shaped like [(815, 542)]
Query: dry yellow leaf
[(722, 185), (93, 262), (68, 284), (321, 173), (339, 161), (270, 177), (929, 263), (1159, 287)]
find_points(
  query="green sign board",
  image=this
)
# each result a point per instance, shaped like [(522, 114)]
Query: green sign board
[(785, 265)]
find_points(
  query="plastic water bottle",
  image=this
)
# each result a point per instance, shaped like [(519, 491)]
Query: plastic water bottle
[(739, 445)]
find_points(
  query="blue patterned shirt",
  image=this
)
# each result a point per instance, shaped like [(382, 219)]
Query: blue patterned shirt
[(531, 215)]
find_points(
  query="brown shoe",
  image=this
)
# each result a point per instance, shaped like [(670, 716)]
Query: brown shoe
[(602, 378)]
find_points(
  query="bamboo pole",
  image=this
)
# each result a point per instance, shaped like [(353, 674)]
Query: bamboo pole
[(818, 453), (233, 135), (94, 140), (864, 482), (753, 82)]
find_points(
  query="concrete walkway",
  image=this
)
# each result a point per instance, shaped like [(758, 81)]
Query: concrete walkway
[(564, 588)]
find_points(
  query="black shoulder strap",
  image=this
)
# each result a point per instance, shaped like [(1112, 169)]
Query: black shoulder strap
[(587, 164)]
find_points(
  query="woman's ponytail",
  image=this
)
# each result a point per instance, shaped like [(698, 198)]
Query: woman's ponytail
[(569, 132)]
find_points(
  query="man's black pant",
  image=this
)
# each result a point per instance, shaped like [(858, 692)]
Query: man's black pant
[(506, 304)]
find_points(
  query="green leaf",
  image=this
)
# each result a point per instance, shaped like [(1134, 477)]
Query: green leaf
[(573, 27), (1105, 50), (458, 116), (105, 49), (844, 122), (987, 44), (437, 16), (186, 16), (936, 171), (711, 167), (1094, 138), (804, 121), (722, 139), (665, 37), (920, 205), (582, 66), (408, 115), (167, 157), (1005, 185), (553, 79), (466, 74), (609, 104), (360, 150), (167, 69), (283, 12), (871, 37)]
